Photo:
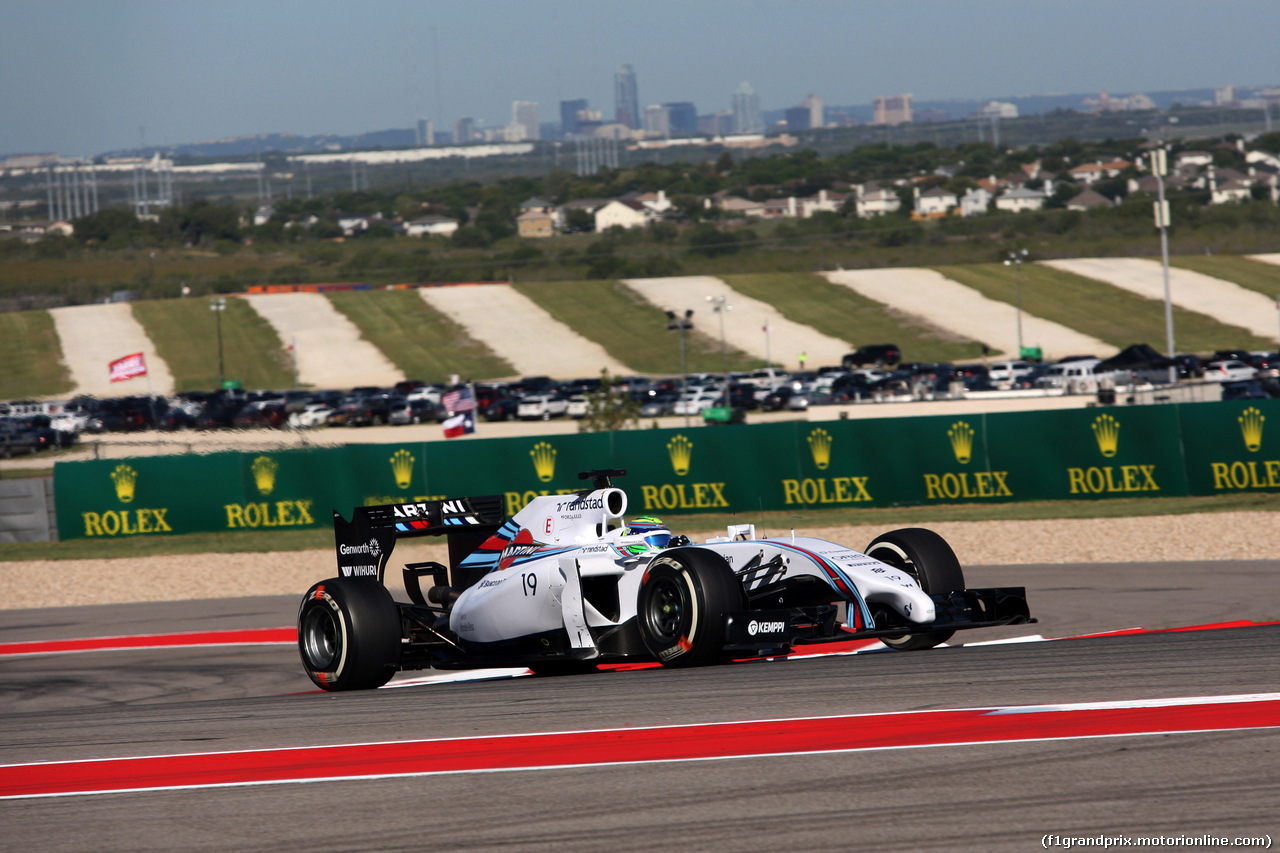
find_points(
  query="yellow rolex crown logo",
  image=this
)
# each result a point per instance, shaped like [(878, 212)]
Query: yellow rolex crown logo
[(264, 473), (125, 478), (1251, 421), (544, 460), (961, 436), (680, 449), (402, 466), (820, 446), (1106, 430)]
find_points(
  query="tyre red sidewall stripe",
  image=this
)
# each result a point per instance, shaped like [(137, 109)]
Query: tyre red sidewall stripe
[(252, 636), (630, 746)]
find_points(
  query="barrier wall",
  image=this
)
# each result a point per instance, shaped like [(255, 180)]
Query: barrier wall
[(1080, 454)]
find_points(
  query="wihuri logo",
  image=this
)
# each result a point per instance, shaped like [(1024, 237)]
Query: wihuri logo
[(680, 449), (1106, 430), (125, 478), (402, 466), (820, 446), (961, 436), (264, 474), (544, 461), (1251, 421)]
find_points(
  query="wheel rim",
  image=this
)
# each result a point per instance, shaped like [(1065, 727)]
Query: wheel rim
[(664, 610), (321, 639)]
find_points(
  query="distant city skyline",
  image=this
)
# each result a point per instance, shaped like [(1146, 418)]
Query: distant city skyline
[(83, 77)]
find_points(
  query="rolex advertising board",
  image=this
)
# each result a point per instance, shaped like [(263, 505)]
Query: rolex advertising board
[(1090, 453)]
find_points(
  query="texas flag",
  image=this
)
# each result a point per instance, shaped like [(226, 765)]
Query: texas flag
[(463, 424), (128, 367)]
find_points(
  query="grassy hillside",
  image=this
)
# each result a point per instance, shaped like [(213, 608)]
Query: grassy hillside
[(185, 334), (1253, 275), (630, 328), (845, 314), (425, 344), (30, 356), (1095, 308)]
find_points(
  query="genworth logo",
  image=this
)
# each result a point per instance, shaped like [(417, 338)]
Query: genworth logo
[(264, 474), (402, 466), (544, 461), (680, 449), (820, 447)]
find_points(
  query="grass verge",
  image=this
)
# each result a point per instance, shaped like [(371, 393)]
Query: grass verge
[(770, 523), (185, 333), (843, 313), (628, 327), (1095, 308), (1258, 276), (425, 344), (31, 355)]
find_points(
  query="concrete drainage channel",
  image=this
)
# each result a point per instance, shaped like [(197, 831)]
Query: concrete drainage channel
[(27, 511)]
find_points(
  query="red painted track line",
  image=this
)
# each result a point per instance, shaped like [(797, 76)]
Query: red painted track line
[(629, 746), (252, 636)]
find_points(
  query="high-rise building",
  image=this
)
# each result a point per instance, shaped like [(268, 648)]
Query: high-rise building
[(814, 104), (426, 135), (746, 110), (798, 118), (894, 110), (524, 114), (657, 120), (683, 117), (464, 130), (569, 115), (625, 97)]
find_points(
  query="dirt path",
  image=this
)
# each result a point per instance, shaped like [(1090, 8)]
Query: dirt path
[(744, 322), (966, 312), (521, 331), (1172, 538), (93, 336), (1224, 301), (328, 346), (1266, 259)]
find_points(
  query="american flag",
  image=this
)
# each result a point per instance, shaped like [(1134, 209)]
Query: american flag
[(459, 400)]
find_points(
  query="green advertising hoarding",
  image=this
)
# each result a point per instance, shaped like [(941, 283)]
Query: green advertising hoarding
[(1069, 454)]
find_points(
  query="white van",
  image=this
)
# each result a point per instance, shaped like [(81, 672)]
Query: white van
[(1005, 372), (1078, 377)]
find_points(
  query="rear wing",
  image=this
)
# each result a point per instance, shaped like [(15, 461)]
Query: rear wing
[(364, 544)]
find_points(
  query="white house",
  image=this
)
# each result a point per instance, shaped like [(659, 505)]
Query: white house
[(1020, 199), (423, 225), (975, 202), (874, 200), (823, 202), (657, 202), (626, 213), (352, 225), (1192, 159), (935, 202)]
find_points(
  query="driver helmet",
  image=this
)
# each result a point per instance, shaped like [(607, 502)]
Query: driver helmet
[(653, 533)]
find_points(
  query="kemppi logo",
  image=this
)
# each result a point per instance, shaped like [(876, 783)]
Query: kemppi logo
[(754, 627)]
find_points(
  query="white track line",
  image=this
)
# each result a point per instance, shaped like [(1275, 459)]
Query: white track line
[(519, 330), (744, 321), (92, 336), (1224, 301), (329, 349), (949, 305)]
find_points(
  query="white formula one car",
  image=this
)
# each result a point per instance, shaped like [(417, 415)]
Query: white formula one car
[(565, 584)]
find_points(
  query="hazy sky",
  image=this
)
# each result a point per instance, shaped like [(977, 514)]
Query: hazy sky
[(79, 77)]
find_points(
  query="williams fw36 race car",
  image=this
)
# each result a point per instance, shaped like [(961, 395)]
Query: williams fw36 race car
[(566, 584)]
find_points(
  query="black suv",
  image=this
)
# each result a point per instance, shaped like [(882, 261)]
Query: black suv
[(881, 355)]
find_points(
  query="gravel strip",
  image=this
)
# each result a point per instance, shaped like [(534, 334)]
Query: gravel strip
[(1172, 538), (949, 305), (93, 336)]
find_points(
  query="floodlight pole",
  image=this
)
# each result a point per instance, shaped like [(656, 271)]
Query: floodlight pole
[(1015, 260), (217, 305), (1159, 166), (681, 325), (720, 308)]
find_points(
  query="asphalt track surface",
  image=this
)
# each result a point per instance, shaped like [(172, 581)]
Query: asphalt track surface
[(983, 795)]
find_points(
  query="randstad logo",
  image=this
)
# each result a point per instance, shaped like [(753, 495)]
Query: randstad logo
[(544, 461), (125, 479), (961, 437), (680, 449), (1106, 430), (264, 474), (820, 447), (1251, 421), (402, 467)]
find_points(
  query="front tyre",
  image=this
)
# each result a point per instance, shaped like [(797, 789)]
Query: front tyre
[(929, 560), (683, 598), (349, 634)]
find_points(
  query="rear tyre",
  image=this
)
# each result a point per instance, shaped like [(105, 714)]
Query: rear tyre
[(683, 598), (349, 634), (928, 558)]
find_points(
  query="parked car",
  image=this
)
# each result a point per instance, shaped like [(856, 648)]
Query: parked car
[(542, 407), (1228, 370), (404, 411), (312, 415), (1006, 372), (881, 355), (501, 409)]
